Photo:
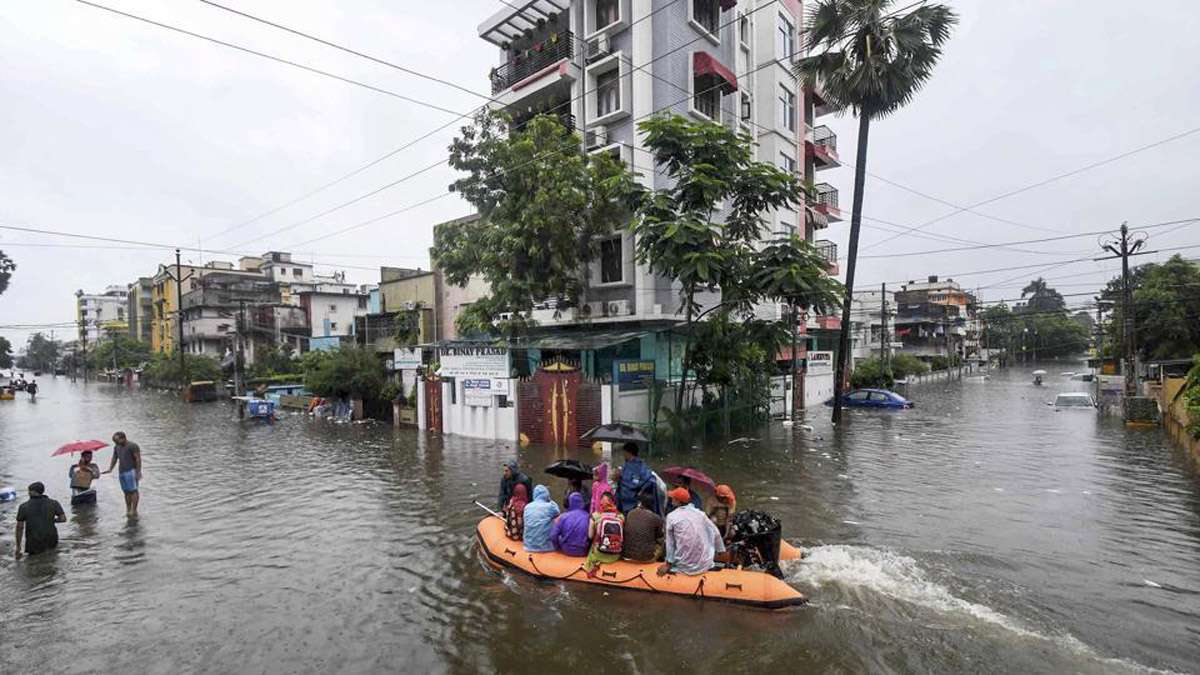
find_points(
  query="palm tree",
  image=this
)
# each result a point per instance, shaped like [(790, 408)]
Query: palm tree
[(872, 63)]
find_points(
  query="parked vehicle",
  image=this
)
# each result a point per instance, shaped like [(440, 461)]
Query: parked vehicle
[(200, 391), (1074, 401), (873, 398)]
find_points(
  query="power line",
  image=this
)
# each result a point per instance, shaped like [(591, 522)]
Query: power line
[(1043, 182), (271, 57)]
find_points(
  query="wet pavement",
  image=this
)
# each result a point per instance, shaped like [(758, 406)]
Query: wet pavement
[(980, 531)]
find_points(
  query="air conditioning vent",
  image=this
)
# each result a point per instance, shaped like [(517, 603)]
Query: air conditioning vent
[(597, 137), (410, 305), (598, 47)]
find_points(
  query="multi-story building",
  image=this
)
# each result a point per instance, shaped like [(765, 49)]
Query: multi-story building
[(936, 318), (604, 65), (331, 316), (221, 302), (164, 324), (100, 314), (140, 311), (872, 320)]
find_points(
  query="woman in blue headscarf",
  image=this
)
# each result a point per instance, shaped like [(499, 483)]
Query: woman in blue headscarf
[(539, 517), (570, 531)]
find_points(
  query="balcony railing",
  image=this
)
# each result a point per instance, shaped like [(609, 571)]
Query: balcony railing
[(565, 119), (543, 54), (824, 137), (827, 250), (827, 195)]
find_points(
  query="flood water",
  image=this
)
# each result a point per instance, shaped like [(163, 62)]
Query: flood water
[(980, 531)]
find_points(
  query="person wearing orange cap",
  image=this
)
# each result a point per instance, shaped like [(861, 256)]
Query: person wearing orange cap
[(722, 512), (692, 539)]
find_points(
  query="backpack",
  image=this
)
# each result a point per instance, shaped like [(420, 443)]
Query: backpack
[(610, 533)]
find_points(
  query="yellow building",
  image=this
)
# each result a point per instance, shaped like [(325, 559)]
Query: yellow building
[(164, 318)]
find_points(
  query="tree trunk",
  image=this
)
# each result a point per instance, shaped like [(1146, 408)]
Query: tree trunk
[(685, 360), (795, 362), (860, 178)]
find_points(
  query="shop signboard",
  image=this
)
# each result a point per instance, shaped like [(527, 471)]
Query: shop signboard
[(474, 362), (630, 374), (406, 358)]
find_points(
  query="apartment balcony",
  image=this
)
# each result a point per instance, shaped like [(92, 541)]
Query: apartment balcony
[(564, 118), (518, 18), (820, 145), (829, 253), (820, 104), (827, 202)]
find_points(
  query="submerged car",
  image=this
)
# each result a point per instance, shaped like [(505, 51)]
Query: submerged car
[(1074, 400), (873, 398)]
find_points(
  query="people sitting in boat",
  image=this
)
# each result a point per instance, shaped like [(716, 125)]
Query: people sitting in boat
[(512, 476), (599, 487), (643, 532), (695, 500), (82, 474), (606, 530), (636, 477), (539, 520), (514, 513), (722, 512), (576, 485), (570, 532), (692, 541)]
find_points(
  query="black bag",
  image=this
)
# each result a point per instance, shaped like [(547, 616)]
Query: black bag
[(755, 540)]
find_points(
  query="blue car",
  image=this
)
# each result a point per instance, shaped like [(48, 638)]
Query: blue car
[(873, 398)]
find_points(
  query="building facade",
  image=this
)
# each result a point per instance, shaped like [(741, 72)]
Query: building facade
[(331, 316), (140, 310), (100, 314), (936, 318)]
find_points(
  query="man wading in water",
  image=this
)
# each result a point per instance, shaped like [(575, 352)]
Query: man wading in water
[(129, 455)]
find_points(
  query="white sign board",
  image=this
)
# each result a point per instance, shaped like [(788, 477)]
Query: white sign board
[(820, 360), (477, 399), (406, 358), (474, 363)]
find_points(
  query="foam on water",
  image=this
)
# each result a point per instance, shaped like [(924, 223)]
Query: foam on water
[(901, 578)]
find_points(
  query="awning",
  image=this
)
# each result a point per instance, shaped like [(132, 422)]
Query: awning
[(704, 65)]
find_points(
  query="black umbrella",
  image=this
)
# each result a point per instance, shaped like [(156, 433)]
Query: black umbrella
[(570, 468), (616, 433)]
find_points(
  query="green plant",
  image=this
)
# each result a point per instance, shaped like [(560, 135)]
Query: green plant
[(279, 360), (873, 63), (7, 267), (903, 365), (118, 350), (164, 369), (346, 372), (871, 373)]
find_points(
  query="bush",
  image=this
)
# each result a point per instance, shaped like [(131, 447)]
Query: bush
[(347, 372), (945, 362), (871, 373), (904, 365), (164, 369), (280, 360)]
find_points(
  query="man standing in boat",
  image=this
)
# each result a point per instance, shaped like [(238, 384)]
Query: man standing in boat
[(636, 478), (128, 456)]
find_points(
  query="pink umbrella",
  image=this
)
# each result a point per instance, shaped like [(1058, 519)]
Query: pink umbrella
[(79, 446), (697, 476)]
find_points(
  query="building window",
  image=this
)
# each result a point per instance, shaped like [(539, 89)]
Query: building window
[(787, 162), (333, 308), (747, 108), (608, 92), (296, 272), (611, 263), (362, 303), (744, 30), (787, 108), (785, 39), (706, 97), (332, 325), (607, 13), (706, 13)]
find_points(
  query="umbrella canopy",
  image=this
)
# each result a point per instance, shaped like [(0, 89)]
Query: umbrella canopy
[(697, 476), (79, 446), (570, 468), (1039, 372), (616, 433)]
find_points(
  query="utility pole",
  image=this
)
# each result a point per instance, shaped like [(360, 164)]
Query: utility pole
[(83, 336), (883, 326), (179, 314), (1123, 248), (237, 358)]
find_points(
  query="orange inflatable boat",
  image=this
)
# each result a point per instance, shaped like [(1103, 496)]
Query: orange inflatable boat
[(744, 587)]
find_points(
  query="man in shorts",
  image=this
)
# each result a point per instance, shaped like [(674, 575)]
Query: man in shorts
[(127, 457)]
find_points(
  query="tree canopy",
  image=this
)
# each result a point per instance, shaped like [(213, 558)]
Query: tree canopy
[(118, 348), (1166, 304), (41, 353), (544, 205), (7, 267), (6, 360), (1026, 331), (1042, 298), (346, 372)]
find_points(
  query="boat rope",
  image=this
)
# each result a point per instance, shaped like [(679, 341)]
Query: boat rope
[(577, 570)]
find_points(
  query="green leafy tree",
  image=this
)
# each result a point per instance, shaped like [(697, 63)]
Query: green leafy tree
[(41, 353), (120, 348), (1042, 298), (544, 205), (677, 233), (791, 271), (6, 359), (7, 267), (873, 63), (163, 369), (346, 372), (1166, 304), (279, 360)]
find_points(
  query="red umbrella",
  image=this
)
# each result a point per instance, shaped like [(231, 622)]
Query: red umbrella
[(697, 476), (79, 446)]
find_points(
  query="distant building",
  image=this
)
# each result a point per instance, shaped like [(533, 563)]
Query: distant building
[(867, 323), (936, 318), (140, 310), (101, 314), (331, 316), (164, 324)]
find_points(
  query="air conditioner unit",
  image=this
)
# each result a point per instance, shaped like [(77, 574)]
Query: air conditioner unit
[(598, 47), (616, 308), (597, 137), (410, 305)]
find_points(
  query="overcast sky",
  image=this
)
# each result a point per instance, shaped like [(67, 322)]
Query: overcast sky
[(115, 128)]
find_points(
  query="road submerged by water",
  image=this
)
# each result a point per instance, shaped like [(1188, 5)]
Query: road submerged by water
[(980, 531)]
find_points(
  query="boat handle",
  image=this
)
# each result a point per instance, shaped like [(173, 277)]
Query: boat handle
[(510, 552), (729, 586), (609, 574)]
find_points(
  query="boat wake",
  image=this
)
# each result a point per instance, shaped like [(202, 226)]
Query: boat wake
[(900, 578)]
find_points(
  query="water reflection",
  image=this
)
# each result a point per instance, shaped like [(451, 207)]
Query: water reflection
[(979, 531)]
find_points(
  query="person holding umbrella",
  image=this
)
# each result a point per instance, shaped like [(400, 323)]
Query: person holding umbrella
[(81, 476)]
